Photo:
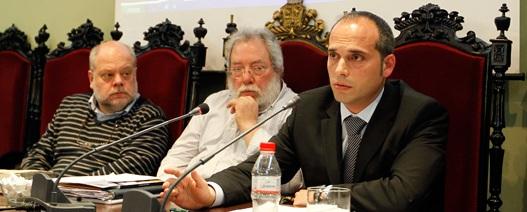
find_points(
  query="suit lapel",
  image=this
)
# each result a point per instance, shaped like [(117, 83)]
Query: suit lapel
[(331, 140), (377, 129)]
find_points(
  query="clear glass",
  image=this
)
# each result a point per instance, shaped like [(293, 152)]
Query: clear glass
[(328, 198), (265, 191), (15, 187)]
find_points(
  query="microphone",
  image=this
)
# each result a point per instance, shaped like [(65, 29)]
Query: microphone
[(292, 102), (202, 161), (57, 196)]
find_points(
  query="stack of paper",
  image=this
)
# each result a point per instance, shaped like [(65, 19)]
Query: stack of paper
[(108, 188)]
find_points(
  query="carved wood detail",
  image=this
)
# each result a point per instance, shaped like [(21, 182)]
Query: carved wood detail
[(35, 102), (164, 35), (500, 61), (168, 35), (430, 22), (14, 39), (84, 36), (116, 34)]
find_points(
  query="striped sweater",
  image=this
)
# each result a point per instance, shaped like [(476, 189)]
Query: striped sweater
[(74, 131)]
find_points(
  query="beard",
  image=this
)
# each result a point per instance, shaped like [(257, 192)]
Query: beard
[(265, 97)]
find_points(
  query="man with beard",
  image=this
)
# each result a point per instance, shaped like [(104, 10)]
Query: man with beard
[(255, 91), (114, 110)]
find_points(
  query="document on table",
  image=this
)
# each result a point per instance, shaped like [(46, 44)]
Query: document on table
[(108, 188), (110, 181)]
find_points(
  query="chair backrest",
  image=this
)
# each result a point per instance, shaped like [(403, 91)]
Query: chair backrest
[(304, 46), (456, 72), (66, 70), (165, 71), (15, 73)]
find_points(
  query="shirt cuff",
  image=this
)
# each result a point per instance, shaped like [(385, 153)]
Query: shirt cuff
[(219, 194), (259, 136)]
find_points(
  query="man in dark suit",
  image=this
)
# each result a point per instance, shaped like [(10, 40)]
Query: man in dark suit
[(393, 160)]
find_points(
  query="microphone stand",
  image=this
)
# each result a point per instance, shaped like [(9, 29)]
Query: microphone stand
[(44, 190), (136, 198)]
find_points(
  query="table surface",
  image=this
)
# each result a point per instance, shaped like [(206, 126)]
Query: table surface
[(117, 207)]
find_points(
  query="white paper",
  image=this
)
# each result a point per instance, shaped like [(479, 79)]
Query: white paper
[(106, 181)]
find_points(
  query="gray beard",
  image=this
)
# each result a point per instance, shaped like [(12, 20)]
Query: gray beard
[(267, 96)]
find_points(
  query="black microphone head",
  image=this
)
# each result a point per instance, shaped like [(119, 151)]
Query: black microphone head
[(203, 108)]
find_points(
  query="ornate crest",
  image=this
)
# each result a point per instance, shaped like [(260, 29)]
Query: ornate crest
[(294, 21), (84, 36), (430, 22), (14, 39), (164, 35)]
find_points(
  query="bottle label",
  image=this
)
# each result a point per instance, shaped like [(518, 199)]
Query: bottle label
[(266, 184)]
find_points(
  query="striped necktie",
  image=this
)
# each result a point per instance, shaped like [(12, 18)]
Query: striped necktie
[(354, 126)]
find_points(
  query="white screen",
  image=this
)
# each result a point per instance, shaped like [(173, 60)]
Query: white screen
[(135, 16)]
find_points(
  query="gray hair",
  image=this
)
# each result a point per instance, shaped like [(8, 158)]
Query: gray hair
[(95, 51), (273, 45)]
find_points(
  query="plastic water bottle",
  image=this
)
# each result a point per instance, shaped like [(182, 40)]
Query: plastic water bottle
[(265, 190)]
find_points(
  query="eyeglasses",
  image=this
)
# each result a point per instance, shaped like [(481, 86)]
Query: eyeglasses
[(255, 70)]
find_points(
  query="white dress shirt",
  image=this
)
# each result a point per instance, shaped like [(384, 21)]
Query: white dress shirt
[(206, 133)]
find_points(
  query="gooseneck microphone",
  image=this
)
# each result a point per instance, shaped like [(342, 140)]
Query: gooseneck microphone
[(204, 160), (58, 197)]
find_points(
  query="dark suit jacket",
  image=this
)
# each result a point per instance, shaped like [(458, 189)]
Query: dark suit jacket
[(400, 163)]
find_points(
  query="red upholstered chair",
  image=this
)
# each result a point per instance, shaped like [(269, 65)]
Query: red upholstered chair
[(66, 70), (63, 76), (165, 71), (304, 46), (15, 73), (456, 72), (304, 65)]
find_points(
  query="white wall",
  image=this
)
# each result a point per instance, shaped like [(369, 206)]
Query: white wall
[(135, 16)]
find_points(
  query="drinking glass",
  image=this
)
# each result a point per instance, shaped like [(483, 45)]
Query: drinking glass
[(328, 198)]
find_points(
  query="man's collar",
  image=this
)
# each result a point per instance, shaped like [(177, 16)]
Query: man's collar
[(101, 117), (366, 113)]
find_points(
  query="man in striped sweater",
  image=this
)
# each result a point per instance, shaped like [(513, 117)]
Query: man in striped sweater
[(114, 110)]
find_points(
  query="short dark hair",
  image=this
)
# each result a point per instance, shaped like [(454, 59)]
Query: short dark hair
[(386, 42)]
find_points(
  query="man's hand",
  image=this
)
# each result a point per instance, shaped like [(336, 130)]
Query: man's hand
[(300, 198), (193, 192), (245, 110)]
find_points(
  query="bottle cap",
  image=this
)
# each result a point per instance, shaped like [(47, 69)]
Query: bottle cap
[(267, 146)]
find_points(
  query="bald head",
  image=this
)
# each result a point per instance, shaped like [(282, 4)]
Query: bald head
[(111, 47)]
